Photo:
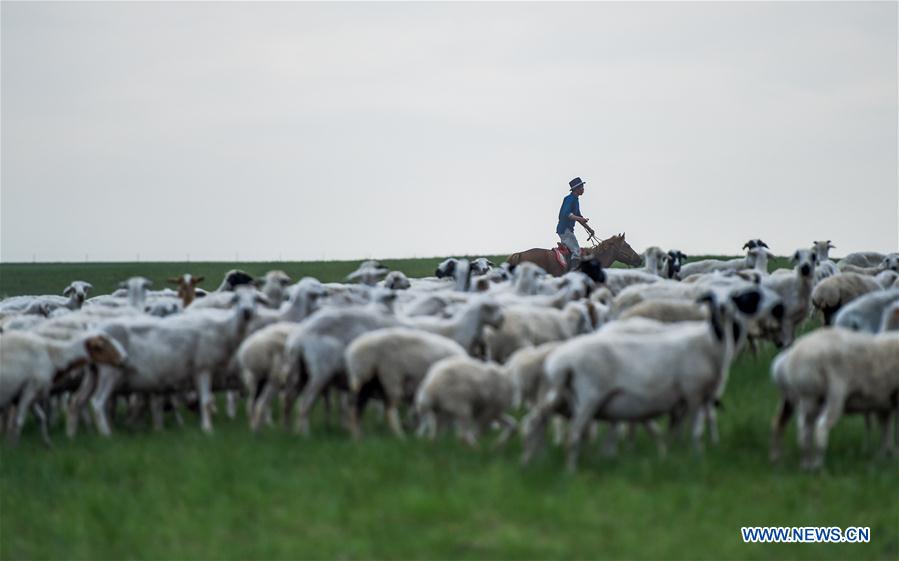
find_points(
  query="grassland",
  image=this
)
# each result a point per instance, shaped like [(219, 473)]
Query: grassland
[(181, 494)]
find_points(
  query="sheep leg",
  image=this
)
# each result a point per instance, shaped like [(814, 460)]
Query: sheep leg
[(261, 406), (711, 416), (468, 428), (778, 424), (830, 414), (175, 402), (203, 381), (107, 379), (29, 392), (77, 401), (509, 425), (156, 405), (886, 445), (327, 402), (54, 405), (10, 422), (805, 414), (42, 418), (305, 402), (653, 429), (698, 416), (231, 404), (288, 400), (867, 417), (610, 442), (136, 405), (558, 428), (585, 412), (393, 418)]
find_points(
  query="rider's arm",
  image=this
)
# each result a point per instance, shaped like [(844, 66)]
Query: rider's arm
[(576, 218)]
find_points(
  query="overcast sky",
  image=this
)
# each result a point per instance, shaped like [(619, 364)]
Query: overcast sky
[(350, 130)]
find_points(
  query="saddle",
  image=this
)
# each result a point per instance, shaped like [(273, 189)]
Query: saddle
[(561, 254)]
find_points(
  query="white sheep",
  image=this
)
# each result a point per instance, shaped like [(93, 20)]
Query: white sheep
[(826, 267), (865, 313), (795, 292), (30, 363), (467, 327), (620, 376), (525, 325), (863, 259), (711, 265), (172, 352), (619, 279), (667, 311), (396, 280), (273, 284), (655, 261), (661, 290), (526, 369), (469, 392), (832, 293), (830, 372), (392, 362), (482, 266), (887, 278), (73, 297), (314, 353), (368, 273), (260, 355)]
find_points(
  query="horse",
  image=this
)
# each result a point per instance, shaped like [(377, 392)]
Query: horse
[(605, 252)]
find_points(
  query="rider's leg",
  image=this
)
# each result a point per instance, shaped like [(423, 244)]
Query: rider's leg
[(570, 240)]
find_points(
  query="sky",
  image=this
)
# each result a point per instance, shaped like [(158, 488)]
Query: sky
[(294, 131)]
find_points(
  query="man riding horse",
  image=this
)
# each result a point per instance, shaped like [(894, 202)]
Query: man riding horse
[(569, 213), (589, 261)]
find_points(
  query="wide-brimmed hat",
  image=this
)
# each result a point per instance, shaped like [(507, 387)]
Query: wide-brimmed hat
[(575, 183)]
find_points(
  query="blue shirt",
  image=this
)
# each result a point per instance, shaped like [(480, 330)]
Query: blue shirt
[(569, 206)]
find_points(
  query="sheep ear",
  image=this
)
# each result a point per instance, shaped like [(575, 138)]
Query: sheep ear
[(68, 291), (123, 284), (262, 299), (147, 283), (745, 246), (795, 257), (173, 280), (197, 280), (830, 245), (763, 244)]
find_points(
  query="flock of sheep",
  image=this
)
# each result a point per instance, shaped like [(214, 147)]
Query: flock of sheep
[(468, 347)]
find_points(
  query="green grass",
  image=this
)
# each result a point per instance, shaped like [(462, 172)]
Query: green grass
[(181, 494)]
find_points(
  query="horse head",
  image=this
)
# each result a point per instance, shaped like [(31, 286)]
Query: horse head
[(625, 253)]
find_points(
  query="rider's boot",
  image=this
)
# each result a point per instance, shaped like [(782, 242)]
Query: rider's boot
[(574, 262)]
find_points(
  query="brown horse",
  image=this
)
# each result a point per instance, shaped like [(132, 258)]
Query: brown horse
[(606, 252)]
